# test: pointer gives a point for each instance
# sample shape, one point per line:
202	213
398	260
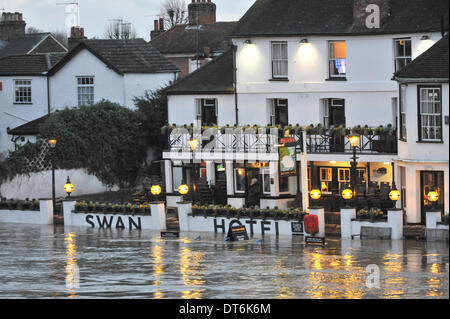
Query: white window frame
329	173
200	103
430	116
85	98
404	56
265	172
283	60
332	59
235	172
339	175
24	88
402	113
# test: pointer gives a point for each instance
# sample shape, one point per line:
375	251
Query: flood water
58	262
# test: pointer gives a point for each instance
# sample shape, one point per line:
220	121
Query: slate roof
28	64
183	38
216	77
23	44
335	17
123	56
432	64
30	128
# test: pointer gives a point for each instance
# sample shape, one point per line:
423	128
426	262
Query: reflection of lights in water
434	283
283	280
190	263
393	266
331	277
72	271
158	269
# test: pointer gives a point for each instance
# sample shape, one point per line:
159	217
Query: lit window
338	62
239	180
402	54
22	90
85	90
279	60
430	114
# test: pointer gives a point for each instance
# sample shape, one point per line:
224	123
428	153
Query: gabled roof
432	64
183	38
30	128
28	64
216	77
27	43
123	56
336	17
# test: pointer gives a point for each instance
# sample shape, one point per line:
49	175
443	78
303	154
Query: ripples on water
58	262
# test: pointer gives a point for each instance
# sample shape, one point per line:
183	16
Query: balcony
264	140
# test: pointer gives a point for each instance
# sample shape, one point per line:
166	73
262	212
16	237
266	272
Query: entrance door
431	181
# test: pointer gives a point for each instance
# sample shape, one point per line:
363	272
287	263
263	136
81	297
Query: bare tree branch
174	12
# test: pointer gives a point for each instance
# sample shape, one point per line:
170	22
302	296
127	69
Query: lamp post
354	142
52	142
394	195
193	144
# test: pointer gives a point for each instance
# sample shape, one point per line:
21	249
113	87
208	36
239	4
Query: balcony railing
267	140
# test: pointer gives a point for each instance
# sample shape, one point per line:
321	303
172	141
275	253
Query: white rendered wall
63	84
182	108
13	115
39	185
411	150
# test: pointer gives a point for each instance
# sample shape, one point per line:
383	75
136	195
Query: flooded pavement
58	262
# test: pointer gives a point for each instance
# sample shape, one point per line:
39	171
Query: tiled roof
124	56
28	64
336	17
432	64
30	128
183	38
216	77
24	43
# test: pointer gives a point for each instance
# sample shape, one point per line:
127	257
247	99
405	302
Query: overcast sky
94	14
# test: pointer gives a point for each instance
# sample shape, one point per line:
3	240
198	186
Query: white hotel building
300	63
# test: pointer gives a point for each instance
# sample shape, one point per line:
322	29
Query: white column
230	178
158	216
169	178
210	172
46	211
304	174
395	221
433	218
320	213
347	214
184	208
274	174
68	208
413	207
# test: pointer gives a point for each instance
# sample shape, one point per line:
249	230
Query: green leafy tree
106	139
153	108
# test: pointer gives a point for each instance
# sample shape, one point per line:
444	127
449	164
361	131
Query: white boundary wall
42	217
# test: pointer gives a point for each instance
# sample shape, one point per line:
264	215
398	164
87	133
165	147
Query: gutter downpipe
236	107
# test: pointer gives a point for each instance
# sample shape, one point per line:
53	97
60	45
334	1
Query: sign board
288	158
170	234
297	228
315	240
220	168
237	231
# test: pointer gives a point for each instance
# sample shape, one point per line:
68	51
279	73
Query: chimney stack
11	26
202	10
76	37
158	28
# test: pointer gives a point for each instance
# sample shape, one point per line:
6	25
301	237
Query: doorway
431	181
334	115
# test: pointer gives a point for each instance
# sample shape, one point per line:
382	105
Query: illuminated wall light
333	162
425	37
304	41
248	41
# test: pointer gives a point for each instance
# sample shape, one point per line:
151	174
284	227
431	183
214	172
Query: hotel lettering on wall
119	222
265	226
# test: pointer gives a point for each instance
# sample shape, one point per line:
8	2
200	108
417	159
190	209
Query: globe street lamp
347	195
68	187
433	197
183	189
155	190
315	195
